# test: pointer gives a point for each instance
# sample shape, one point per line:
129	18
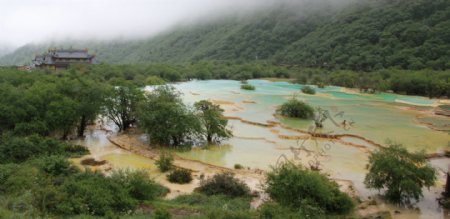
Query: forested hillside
411	34
358	35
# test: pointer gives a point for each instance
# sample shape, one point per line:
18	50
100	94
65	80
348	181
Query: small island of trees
295	108
401	174
168	121
308	90
247	87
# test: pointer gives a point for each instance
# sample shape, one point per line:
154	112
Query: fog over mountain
340	34
26	21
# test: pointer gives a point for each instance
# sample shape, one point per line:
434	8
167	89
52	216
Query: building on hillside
62	58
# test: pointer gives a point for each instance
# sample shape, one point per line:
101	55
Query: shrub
94	194
296	109
308	90
22	204
16	179
247	87
218	213
16	149
400	173
445	202
213	201
47	198
6	170
56	165
154	80
20	149
238	166
224	184
161	214
138	184
180	176
296	187
75	150
272	210
165	161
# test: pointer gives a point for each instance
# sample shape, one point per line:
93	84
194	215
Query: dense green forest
354	35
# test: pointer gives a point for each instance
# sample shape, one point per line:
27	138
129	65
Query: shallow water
376	117
380	118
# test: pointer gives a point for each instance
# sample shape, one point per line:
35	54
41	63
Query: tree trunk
175	141
209	138
82	126
65	134
126	125
447	184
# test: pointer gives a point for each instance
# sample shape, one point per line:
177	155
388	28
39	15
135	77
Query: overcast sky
25	21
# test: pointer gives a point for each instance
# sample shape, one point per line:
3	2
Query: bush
16	179
20	149
180	176
94	194
308	90
296	187
17	149
138	184
6	170
238	166
247	87
47	198
213	201
272	210
85	193
218	213
56	165
161	214
20	204
224	184
154	80
445	202
296	109
75	150
400	173
165	161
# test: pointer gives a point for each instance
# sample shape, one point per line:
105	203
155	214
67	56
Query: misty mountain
4	50
358	35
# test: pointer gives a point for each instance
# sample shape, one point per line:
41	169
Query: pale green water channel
377	117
